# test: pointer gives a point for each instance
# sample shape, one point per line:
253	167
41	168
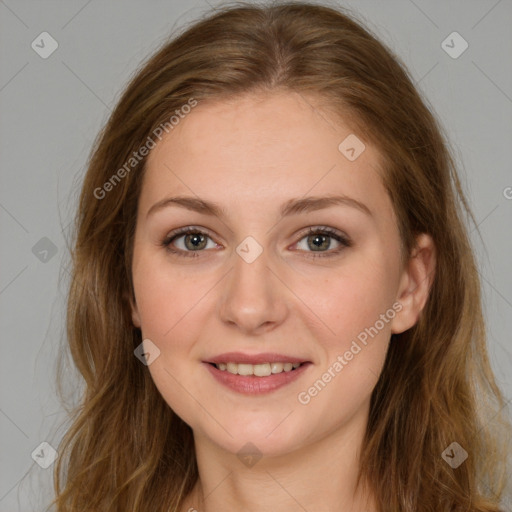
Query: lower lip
252	385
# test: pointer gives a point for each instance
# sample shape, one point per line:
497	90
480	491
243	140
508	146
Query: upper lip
240	357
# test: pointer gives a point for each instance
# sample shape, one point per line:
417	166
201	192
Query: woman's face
272	288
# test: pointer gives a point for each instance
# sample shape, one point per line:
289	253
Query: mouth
256	374
257	370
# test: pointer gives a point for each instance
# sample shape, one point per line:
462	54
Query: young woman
274	303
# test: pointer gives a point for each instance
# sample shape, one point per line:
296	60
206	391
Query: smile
258	370
256	379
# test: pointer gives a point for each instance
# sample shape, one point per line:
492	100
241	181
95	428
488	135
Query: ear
415	282
134	310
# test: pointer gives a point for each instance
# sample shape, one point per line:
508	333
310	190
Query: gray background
51	110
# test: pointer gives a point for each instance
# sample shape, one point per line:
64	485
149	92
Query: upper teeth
260	370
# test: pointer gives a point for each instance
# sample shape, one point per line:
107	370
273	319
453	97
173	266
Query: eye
318	239
195	240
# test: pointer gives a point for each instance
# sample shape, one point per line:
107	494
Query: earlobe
415	284
134	311
135	318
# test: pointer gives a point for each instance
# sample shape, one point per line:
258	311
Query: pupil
196	240
317	240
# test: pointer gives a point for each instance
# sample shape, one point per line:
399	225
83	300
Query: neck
316	476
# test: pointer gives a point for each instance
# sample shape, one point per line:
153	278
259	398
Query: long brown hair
126	449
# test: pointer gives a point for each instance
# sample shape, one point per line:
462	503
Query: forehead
262	147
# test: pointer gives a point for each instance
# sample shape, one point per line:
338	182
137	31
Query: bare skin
251	155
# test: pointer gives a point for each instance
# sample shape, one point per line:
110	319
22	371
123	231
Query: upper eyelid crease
291	207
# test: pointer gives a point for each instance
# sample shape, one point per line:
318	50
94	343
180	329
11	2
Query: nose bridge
251	298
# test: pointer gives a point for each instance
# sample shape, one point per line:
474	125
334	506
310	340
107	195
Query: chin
272	437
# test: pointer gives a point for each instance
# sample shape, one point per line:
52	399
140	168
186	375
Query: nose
253	298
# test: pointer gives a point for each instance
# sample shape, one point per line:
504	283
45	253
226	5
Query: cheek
169	304
166	297
353	300
358	311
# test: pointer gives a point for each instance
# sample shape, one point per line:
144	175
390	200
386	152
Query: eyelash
324	230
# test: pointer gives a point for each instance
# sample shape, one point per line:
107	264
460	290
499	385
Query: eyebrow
291	207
